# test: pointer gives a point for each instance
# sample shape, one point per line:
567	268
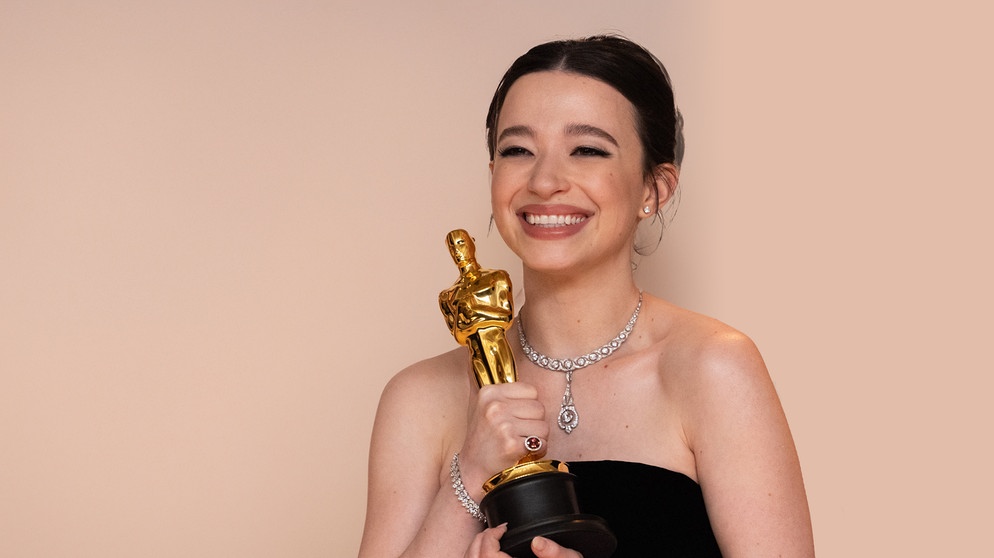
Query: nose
548	176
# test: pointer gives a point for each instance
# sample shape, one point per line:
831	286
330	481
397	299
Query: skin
686	392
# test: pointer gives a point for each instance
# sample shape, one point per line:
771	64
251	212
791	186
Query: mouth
552	221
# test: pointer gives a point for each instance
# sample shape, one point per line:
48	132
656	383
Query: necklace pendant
568	419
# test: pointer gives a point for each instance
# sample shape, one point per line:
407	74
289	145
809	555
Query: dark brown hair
624	65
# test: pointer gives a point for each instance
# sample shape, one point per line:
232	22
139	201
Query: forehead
556	97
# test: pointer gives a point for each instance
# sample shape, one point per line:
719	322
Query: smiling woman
672	426
568	152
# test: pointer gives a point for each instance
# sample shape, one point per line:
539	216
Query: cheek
500	206
500	192
501	197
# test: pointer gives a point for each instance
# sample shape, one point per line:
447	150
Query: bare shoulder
714	373
425	393
440	373
703	349
734	425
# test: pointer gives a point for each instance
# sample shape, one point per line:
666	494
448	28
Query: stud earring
646	210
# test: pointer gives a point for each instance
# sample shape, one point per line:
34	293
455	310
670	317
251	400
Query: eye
513	151
587	151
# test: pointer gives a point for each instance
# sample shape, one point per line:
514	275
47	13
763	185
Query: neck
565	318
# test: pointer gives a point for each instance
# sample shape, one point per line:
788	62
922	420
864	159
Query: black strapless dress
654	512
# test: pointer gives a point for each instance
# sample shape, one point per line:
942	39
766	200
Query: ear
660	187
491	168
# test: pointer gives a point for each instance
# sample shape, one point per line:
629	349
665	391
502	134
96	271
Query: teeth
553	220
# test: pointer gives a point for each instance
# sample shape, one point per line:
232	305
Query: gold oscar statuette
534	497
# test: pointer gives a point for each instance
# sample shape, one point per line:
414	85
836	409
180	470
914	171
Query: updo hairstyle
624	65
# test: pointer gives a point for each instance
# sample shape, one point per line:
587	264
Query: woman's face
567	183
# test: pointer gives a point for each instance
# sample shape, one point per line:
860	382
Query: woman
676	436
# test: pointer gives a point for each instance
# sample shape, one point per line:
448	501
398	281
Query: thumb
545	548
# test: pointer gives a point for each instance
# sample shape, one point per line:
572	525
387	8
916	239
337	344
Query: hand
501	417
544	548
487	543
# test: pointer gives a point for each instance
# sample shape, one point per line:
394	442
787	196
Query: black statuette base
544	504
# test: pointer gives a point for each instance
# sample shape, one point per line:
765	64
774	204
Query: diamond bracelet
463	496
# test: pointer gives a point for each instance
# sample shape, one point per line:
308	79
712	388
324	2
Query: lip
552	221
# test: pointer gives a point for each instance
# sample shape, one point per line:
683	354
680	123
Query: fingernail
539	543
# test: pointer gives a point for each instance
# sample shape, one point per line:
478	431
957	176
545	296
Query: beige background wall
221	233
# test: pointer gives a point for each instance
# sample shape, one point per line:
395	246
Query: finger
504	401
514	430
480	541
489	542
538	428
527	409
501	410
513	390
534	445
545	548
474	547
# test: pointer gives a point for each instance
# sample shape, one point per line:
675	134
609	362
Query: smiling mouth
553	220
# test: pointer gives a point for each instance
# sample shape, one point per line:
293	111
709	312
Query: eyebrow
516	131
573	129
589	130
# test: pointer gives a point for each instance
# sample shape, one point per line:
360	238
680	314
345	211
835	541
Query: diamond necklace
568	418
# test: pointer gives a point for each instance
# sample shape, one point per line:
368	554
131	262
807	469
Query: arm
745	456
410	511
